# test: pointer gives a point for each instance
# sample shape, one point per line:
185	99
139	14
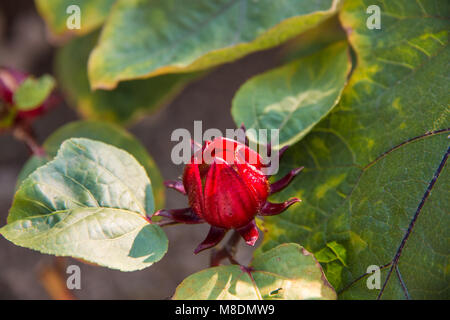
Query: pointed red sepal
284	182
215	235
243	128
280	155
269	149
282	151
250	233
185	215
271	209
176	185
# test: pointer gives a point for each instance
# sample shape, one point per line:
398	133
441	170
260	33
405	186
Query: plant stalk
228	251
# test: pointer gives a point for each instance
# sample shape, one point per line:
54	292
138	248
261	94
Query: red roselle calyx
226	188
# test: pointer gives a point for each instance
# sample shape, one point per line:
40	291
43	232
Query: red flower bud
226	188
230	191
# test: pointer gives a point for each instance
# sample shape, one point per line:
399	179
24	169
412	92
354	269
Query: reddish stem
227	251
23	132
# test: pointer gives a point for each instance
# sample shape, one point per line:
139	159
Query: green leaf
105	132
332	252
32	164
285	272
318	38
33	92
89	202
333	259
294	97
334	270
179	36
128	102
325	255
369	163
339	251
92	14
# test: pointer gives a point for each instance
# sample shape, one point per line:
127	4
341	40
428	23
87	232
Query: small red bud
226	188
226	193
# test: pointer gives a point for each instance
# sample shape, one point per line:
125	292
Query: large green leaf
294	97
32	164
92	14
370	164
148	38
125	104
89	202
321	36
285	272
105	132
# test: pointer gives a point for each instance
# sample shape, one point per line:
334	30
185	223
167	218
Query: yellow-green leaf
147	38
92	14
286	272
375	178
105	132
125	104
295	97
89	202
33	92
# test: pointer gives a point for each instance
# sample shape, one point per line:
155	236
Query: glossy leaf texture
294	97
286	272
125	104
376	178
89	202
105	132
56	14
179	36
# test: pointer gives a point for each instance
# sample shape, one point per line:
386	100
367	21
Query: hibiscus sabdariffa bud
226	188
